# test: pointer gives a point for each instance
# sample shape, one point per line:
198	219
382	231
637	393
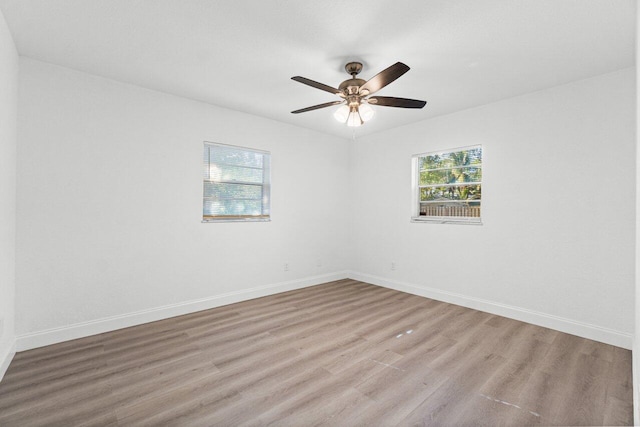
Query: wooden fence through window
451	210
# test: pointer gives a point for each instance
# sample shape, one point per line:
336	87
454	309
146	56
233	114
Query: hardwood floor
342	353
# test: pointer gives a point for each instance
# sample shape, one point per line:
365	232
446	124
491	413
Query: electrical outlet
393	265
286	266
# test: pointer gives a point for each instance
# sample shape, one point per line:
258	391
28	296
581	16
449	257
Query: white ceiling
241	54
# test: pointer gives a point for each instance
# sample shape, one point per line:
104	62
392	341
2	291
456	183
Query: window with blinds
236	184
448	186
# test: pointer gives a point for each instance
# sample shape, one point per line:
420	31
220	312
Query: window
448	186
236	184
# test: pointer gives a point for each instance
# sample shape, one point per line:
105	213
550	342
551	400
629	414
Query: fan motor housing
351	86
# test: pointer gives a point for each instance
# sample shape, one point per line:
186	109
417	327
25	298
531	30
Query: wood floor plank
344	353
138	385
168	408
242	379
444	405
618	412
395	393
586	398
25	380
619	376
261	399
67	403
508	382
493	411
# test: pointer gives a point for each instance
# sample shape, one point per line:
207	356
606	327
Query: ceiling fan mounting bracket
353	68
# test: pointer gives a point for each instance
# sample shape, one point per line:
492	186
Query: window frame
415	191
265	187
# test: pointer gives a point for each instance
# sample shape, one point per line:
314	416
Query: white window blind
448	186
236	183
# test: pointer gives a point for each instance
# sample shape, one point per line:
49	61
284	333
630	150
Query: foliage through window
448	186
236	183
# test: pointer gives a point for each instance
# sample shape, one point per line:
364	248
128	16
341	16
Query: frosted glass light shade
354	119
342	113
366	112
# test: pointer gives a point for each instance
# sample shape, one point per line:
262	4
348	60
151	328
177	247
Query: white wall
110	204
8	114
557	244
636	335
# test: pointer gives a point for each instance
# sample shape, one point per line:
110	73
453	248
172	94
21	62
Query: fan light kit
356	102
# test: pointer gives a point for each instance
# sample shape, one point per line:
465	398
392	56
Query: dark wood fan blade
389	101
315	107
384	77
315	84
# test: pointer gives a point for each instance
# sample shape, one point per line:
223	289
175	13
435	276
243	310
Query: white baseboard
6	359
573	327
98	326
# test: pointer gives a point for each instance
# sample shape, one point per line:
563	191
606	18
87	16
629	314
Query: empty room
296	213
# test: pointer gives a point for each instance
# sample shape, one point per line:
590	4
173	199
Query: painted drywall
8	116
557	242
109	199
636	332
110	205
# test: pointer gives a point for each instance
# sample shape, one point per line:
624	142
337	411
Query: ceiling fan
355	94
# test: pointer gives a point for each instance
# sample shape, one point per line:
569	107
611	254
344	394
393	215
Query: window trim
266	189
415	191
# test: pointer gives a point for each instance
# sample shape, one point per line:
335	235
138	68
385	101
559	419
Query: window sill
211	220
447	220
